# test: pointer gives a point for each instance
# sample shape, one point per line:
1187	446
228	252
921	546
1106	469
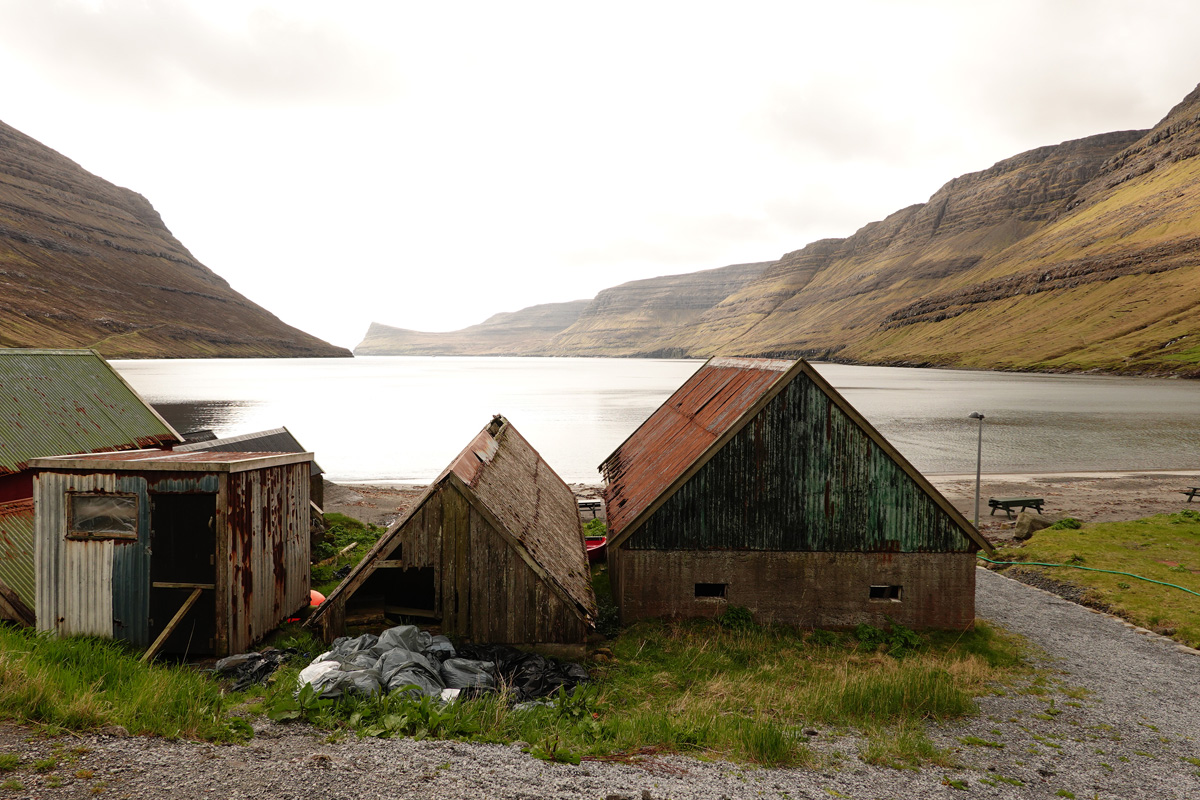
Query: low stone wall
812	589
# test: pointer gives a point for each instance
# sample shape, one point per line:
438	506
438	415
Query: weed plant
341	531
731	689
80	684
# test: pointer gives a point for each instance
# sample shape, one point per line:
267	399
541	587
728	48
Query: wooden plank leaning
167	631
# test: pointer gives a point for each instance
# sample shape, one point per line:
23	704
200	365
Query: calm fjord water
375	419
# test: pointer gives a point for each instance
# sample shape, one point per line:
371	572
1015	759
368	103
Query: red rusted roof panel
671	440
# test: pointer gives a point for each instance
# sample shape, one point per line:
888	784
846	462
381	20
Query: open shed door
183	559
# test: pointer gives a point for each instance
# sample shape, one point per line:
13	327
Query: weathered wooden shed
54	402
492	552
211	548
756	484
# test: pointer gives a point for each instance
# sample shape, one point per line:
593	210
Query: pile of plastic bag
410	659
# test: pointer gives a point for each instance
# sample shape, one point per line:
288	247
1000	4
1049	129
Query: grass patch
85	684
733	691
1161	548
341	532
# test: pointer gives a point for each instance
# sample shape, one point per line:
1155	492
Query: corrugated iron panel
87	589
268	530
69	401
276	440
145	460
16	550
95	587
680	431
802	476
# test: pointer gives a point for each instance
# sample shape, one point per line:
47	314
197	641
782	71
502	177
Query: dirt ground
1087	496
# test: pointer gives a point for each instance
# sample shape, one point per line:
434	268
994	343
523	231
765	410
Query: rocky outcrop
84	263
510	333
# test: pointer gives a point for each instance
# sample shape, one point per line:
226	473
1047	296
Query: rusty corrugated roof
674	437
138	460
69	401
276	440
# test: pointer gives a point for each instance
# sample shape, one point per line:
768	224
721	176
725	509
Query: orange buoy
315	598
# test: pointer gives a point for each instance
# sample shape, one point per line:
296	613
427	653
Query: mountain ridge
1079	256
86	263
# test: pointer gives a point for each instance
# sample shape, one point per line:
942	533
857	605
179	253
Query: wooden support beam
172	585
167	631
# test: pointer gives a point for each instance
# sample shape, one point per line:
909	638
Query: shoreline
1089	496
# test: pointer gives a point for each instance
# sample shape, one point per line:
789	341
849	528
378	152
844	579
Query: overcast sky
428	164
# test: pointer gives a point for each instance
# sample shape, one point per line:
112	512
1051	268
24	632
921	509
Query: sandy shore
1087	496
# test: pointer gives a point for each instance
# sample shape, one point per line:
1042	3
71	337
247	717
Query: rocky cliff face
84	263
510	333
639	315
643	317
1078	256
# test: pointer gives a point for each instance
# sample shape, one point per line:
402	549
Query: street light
978	462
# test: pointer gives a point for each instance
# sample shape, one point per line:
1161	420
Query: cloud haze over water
426	165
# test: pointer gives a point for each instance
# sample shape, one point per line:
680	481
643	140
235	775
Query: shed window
885	593
710	589
103	516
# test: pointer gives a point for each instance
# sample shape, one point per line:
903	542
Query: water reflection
403	419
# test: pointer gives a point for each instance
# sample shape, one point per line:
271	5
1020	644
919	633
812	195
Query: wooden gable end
804	474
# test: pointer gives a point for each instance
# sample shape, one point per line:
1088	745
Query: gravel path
1117	716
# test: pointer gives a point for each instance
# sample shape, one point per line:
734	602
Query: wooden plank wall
484	590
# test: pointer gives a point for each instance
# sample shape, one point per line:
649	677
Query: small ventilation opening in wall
885	593
710	589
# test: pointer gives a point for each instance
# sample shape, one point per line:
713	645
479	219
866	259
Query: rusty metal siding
16	550
70	401
268	553
94	587
801	476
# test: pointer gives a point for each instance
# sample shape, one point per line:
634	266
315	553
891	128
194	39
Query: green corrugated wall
802	476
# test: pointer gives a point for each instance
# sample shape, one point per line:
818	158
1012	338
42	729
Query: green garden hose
1089	569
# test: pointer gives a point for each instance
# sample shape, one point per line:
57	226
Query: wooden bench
1009	503
590	505
1191	492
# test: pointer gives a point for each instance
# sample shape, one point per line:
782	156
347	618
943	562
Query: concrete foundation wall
811	589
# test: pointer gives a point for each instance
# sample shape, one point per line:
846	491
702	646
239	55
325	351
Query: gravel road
1119	717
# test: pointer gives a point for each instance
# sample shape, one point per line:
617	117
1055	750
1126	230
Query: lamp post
978	462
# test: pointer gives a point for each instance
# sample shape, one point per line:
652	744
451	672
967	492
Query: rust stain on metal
681	430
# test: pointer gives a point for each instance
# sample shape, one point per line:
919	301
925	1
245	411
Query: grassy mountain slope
84	263
1111	283
1078	256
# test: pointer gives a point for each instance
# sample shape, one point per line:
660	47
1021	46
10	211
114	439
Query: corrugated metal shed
232	529
276	440
805	473
499	534
69	401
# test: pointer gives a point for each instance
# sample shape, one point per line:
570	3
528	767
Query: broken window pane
104	516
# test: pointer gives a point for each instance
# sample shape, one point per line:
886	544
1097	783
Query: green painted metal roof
58	402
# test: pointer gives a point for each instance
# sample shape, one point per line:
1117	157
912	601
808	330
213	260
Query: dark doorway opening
183	552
